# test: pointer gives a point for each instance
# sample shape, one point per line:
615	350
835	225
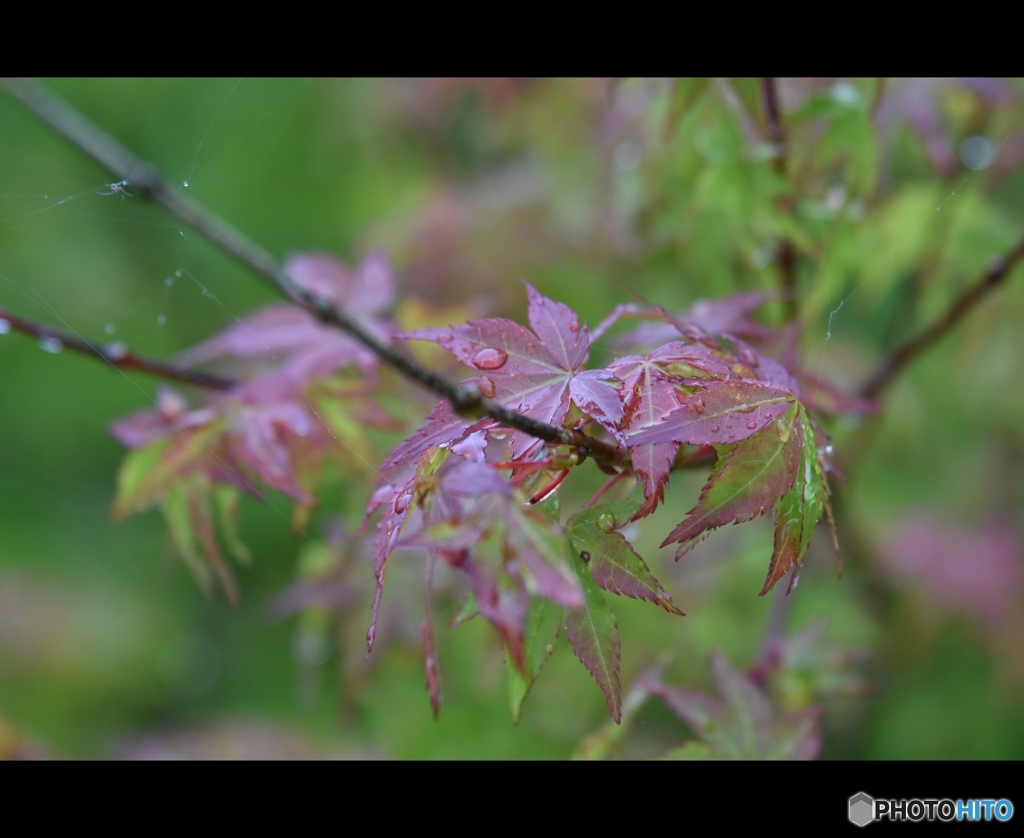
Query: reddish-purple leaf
746	482
536	372
726	411
431	670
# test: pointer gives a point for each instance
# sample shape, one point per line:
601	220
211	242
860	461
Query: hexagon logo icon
862	809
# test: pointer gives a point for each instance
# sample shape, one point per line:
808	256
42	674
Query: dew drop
185	184
161	319
177	274
401	504
715	429
699	405
169	281
767	416
606	522
110	328
530	347
762	510
51	345
5	326
828	450
490	359
444	338
574	326
751	425
487	388
302	428
550	649
117	351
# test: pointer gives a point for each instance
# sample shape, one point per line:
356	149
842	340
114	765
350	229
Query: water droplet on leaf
574	326
51	345
490	359
699	405
487	388
606	522
751	425
117	351
401	504
714	429
444	338
185	183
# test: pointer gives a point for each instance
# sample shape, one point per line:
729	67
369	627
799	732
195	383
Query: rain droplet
530	347
606	522
110	328
751	425
490	359
185	183
169	281
550	649
161	319
117	351
5	326
767	416
762	510
828	450
574	326
401	504
699	405
51	345
302	428
715	429
487	388
177	273
444	338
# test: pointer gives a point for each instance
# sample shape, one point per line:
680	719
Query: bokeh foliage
591	190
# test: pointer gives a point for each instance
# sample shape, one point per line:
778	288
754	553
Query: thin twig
116	354
994	276
785	252
147	181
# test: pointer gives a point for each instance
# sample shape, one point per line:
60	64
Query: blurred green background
895	196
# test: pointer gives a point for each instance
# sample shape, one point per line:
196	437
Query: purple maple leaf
536	373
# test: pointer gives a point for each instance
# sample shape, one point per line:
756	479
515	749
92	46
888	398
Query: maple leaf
650	392
613	563
800	508
741	723
593	634
747	480
291	343
537	373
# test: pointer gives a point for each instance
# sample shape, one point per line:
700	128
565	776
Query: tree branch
116	354
146	180
994	276
785	253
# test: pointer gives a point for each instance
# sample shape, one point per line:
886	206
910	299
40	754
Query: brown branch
785	252
993	277
116	354
146	181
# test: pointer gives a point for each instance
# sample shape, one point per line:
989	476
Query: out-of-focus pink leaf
977	569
